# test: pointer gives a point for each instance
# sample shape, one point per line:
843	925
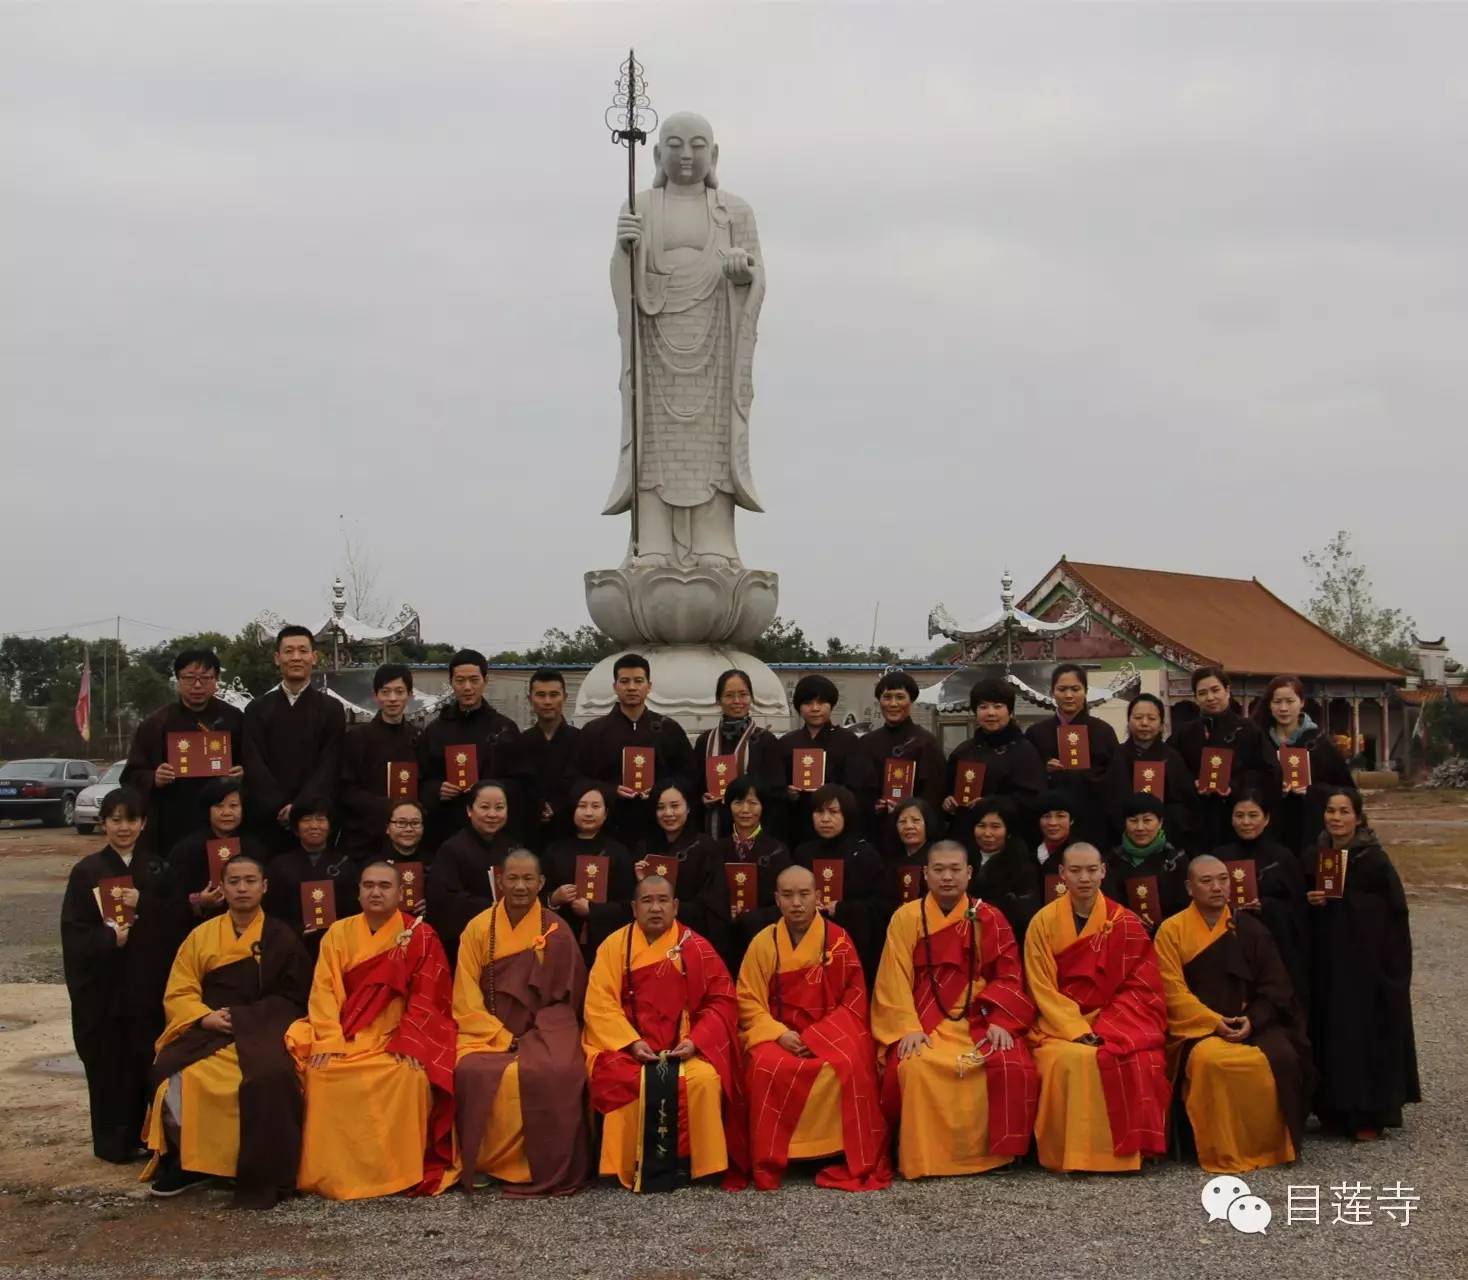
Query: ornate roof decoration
1008	624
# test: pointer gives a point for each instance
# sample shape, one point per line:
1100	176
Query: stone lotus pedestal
690	624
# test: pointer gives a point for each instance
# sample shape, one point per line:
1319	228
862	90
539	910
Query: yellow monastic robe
818	1132
210	1103
366	1112
1072	1129
502	1153
944	1125
1228	1089
607	1030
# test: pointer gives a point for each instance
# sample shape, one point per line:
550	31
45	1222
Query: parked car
90	800
45	789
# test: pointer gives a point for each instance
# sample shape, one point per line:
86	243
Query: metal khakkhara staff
631	118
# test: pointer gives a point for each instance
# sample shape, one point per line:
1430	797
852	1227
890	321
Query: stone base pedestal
683	678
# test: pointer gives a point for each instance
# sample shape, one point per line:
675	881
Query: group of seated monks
965	994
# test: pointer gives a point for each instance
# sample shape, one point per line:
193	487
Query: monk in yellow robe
812	1064
376	1052
1235	1046
520	1082
1098	1040
950	1013
226	1101
662	1052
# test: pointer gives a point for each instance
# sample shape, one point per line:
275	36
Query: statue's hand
629	230
739	266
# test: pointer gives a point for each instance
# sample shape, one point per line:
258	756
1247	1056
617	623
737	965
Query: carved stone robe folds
696	336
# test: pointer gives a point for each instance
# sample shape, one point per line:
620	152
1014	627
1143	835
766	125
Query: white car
90	800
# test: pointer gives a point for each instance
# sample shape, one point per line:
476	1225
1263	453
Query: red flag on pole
83	713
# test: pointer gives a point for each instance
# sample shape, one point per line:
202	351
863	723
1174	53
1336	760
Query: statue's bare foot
649	561
725	563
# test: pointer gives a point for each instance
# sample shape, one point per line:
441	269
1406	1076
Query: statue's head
686	153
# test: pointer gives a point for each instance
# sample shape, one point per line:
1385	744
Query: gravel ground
63	1214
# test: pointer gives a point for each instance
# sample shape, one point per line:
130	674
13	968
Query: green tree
784	642
1343	601
1447	729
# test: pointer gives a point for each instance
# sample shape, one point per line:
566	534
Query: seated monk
226	1101
518	991
376	1050
1234	1041
662	1052
950	1012
812	1066
1102	1023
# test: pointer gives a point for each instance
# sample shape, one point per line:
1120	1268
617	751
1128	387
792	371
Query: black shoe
172	1179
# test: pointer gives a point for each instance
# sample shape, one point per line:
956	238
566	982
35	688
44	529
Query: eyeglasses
405	822
209	677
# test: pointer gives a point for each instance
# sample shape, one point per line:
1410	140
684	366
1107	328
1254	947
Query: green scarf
1138	854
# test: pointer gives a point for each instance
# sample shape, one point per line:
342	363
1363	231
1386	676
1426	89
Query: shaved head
1204	863
648	883
795	878
381	862
523	855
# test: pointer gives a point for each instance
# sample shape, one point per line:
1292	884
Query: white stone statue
700	283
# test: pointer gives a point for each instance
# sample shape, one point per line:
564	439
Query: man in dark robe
847	764
1219	726
173	804
293	741
598	751
1083	789
367	793
898	738
468	720
548	746
226	1101
1237	1051
520	1082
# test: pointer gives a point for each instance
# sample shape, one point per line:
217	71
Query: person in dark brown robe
468	720
312	858
1144	746
112	1031
1013	769
227	1100
847	764
679	850
747	843
897	737
1361	979
1219	726
1299	814
518	992
598	751
547	747
756	753
461	880
1146	854
363	799
1005	873
916	825
1084	789
173	802
863	909
293	741
588	921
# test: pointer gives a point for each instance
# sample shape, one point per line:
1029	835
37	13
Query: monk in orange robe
1098	1042
812	1073
950	1013
226	1100
376	1053
1235	1043
662	1037
520	1082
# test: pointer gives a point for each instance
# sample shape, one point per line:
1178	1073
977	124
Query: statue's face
686	150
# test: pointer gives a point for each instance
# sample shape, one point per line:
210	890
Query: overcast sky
1174	287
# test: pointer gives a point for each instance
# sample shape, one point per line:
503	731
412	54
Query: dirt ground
64	1213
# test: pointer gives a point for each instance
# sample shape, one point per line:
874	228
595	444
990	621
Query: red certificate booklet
968	782
109	899
907	881
1149	778
402	780
200	753
830	876
1141	897
1053	888
1214	770
461	765
318	904
592	874
1243	882
1330	873
899	777
741	880
1294	765
411	874
719	772
220	852
1074	744
664	866
808	768
639	769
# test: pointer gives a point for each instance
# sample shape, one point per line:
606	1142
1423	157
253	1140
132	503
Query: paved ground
65	1214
